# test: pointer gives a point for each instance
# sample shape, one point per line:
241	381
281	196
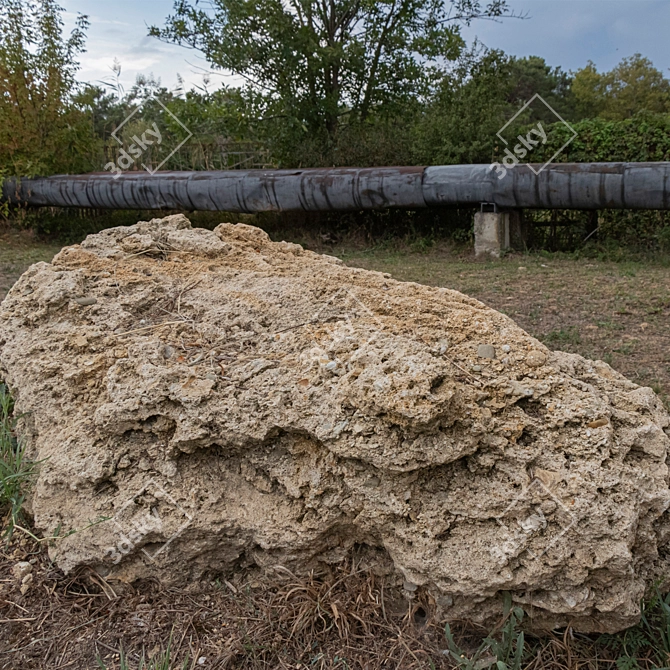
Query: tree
532	75
316	61
42	128
634	85
460	122
587	92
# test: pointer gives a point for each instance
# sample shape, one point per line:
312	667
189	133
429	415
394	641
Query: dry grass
347	618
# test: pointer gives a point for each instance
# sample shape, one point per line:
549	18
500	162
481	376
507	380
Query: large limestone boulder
205	402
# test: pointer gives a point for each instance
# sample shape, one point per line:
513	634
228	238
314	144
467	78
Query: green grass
504	648
16	471
162	660
569	335
648	643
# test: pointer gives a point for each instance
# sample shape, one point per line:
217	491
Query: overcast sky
564	32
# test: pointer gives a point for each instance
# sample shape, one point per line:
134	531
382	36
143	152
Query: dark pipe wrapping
561	185
229	191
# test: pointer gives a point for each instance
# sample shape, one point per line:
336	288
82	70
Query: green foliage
316	63
663	237
477	97
486	89
650	639
506	653
532	75
221	125
43	128
16	471
461	120
633	85
643	137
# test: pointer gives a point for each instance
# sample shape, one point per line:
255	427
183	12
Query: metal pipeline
560	185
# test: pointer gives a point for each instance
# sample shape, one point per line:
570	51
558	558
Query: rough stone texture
290	410
492	233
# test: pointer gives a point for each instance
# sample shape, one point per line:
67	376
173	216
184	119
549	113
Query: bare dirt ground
348	618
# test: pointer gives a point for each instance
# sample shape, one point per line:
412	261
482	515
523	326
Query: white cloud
565	32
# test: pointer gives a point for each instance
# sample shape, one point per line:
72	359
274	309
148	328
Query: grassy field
18	251
617	312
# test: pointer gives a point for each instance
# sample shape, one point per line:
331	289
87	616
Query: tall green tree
317	61
634	85
531	75
460	122
43	129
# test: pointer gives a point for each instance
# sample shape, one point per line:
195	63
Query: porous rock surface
205	402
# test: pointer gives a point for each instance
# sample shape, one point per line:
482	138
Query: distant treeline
328	84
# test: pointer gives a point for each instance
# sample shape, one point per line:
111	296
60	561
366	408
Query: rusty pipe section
561	185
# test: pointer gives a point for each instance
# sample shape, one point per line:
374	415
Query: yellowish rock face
202	402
